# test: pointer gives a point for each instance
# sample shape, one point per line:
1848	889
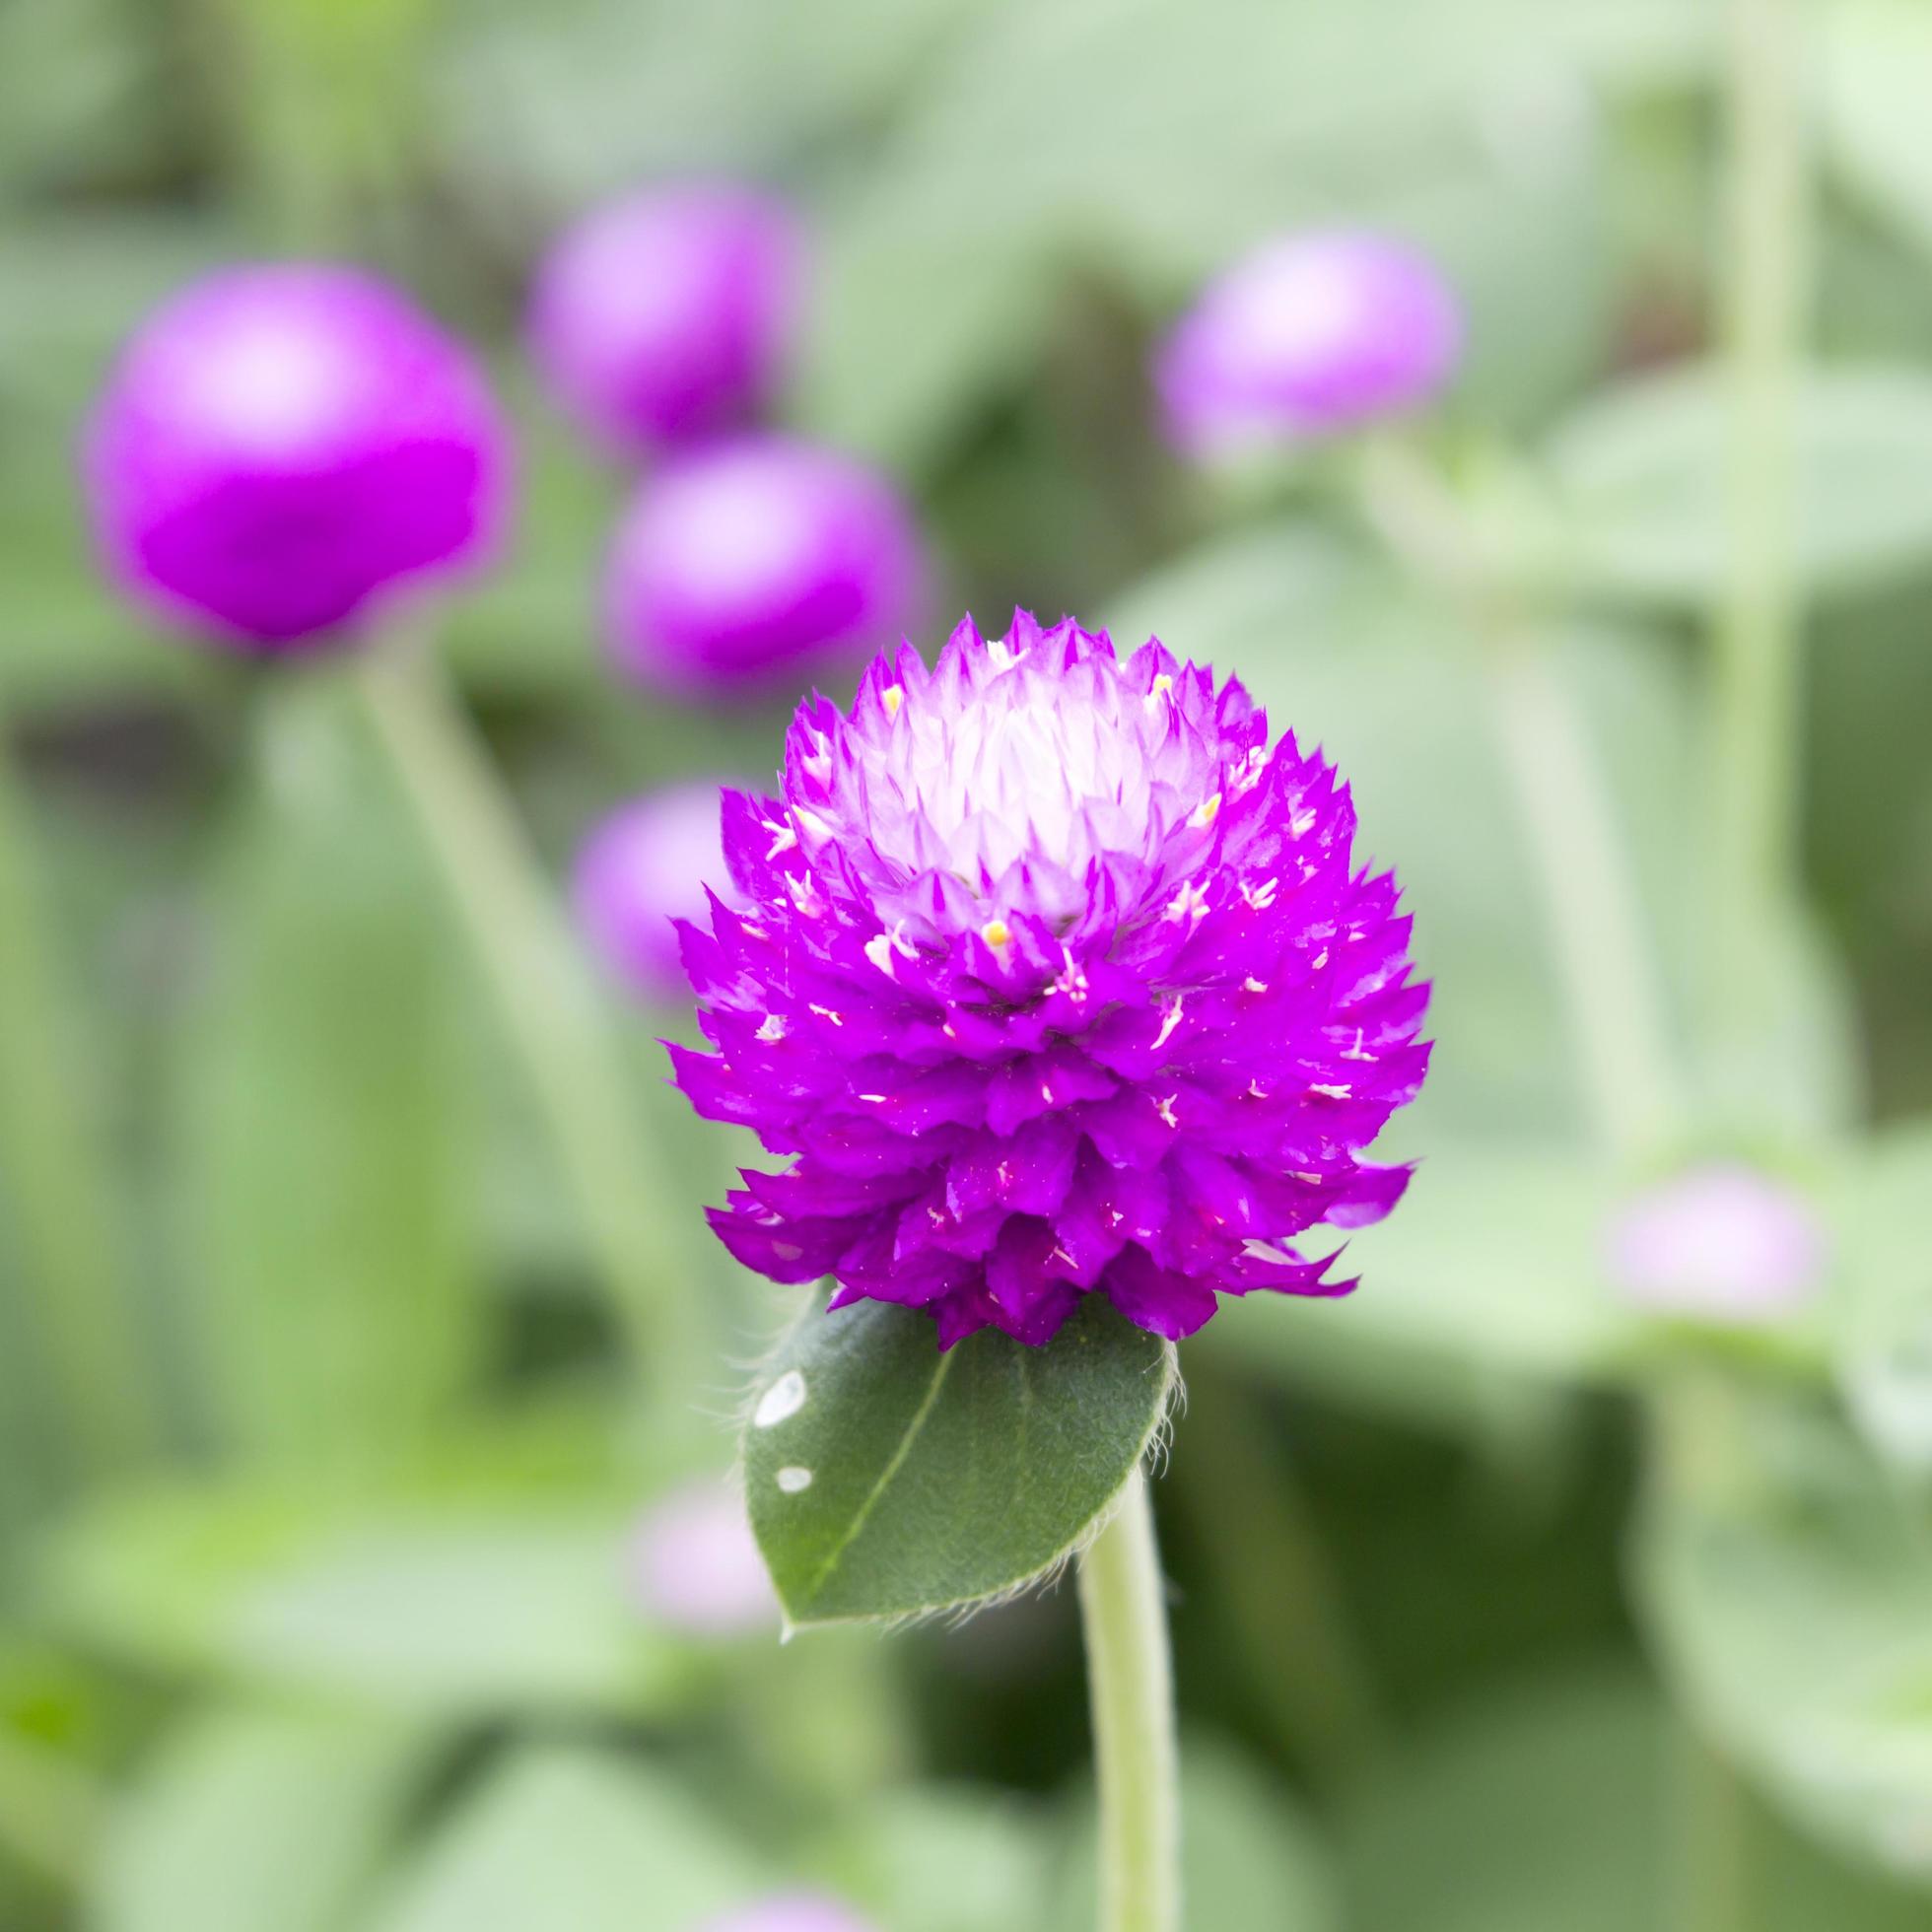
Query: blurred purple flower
667	314
643	866
279	444
750	565
1056	978
789	1911
694	1564
1311	334
1720	1243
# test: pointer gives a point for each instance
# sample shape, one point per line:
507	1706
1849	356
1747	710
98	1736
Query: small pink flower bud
1309	335
279	445
667	315
753	565
1718	1243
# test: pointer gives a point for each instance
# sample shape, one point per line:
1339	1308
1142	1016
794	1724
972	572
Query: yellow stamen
995	933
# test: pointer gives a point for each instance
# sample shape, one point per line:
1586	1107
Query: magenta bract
1309	335
646	865
667	314
1054	979
748	566
279	444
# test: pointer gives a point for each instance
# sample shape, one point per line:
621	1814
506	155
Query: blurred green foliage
354	1652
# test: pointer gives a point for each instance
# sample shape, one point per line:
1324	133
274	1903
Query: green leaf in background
577	1839
889	1480
247	1817
1490	1274
943	1859
1885	1342
1788	1589
1250	1861
324	1123
1878	70
1639	473
1559	1802
477	1586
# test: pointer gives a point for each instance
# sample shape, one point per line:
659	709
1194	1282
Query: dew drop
791	1479
786	1397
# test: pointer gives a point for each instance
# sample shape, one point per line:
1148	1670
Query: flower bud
752	565
278	445
1718	1243
694	1564
1309	335
645	866
667	316
789	1911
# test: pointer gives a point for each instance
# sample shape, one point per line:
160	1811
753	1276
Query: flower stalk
59	1195
1758	639
1130	1675
1605	954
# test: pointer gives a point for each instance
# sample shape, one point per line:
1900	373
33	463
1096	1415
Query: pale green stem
1757	662
1608	968
1605	953
54	1183
1130	1684
551	1009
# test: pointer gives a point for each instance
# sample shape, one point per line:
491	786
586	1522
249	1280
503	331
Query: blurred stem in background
1131	1679
1757	689
54	1183
1757	642
553	1012
1605	953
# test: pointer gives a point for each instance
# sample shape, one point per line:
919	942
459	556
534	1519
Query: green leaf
1559	1801
1884	1340
576	1838
1640	473
323	1109
1878	70
1789	1588
942	1859
482	1584
247	1817
889	1480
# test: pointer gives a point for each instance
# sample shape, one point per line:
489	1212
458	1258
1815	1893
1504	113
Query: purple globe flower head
279	445
667	314
1056	980
789	1911
694	1564
747	565
645	866
1311	334
1719	1243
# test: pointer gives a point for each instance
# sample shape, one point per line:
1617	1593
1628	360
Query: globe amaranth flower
1057	979
747	565
1719	1242
649	863
694	1564
667	314
279	444
1311	334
